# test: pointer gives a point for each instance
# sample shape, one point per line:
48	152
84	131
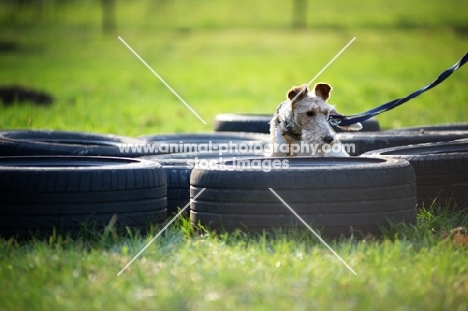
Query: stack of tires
441	171
67	181
439	165
197	150
439	157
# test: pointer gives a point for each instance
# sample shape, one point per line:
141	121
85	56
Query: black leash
336	120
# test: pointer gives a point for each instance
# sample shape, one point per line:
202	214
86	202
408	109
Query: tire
178	167
365	142
260	123
231	122
175	163
205	137
200	142
434	127
342	196
441	171
43	142
45	192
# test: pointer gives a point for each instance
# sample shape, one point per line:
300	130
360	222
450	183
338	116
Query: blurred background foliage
188	14
226	56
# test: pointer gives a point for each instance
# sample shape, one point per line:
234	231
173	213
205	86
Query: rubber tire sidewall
343	200
42	192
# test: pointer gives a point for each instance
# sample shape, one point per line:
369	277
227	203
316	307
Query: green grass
227	56
101	86
409	268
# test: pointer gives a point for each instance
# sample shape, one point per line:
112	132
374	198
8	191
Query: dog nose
328	139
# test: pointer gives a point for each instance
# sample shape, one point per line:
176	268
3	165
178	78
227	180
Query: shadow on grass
433	225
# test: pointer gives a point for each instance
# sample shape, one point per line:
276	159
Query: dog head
310	113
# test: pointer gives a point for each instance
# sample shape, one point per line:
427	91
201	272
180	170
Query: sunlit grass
413	267
101	86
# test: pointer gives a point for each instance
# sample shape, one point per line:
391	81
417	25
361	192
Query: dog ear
302	90
323	90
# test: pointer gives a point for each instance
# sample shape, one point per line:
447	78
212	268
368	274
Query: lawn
232	56
220	64
406	269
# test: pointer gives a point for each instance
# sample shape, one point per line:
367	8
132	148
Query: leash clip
334	122
335	119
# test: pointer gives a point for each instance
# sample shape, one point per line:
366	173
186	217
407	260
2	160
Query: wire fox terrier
300	125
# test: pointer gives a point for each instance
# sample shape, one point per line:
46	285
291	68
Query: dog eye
310	113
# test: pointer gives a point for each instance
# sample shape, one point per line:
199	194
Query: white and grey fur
303	118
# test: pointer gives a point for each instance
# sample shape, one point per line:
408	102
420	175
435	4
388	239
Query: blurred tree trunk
108	15
299	16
